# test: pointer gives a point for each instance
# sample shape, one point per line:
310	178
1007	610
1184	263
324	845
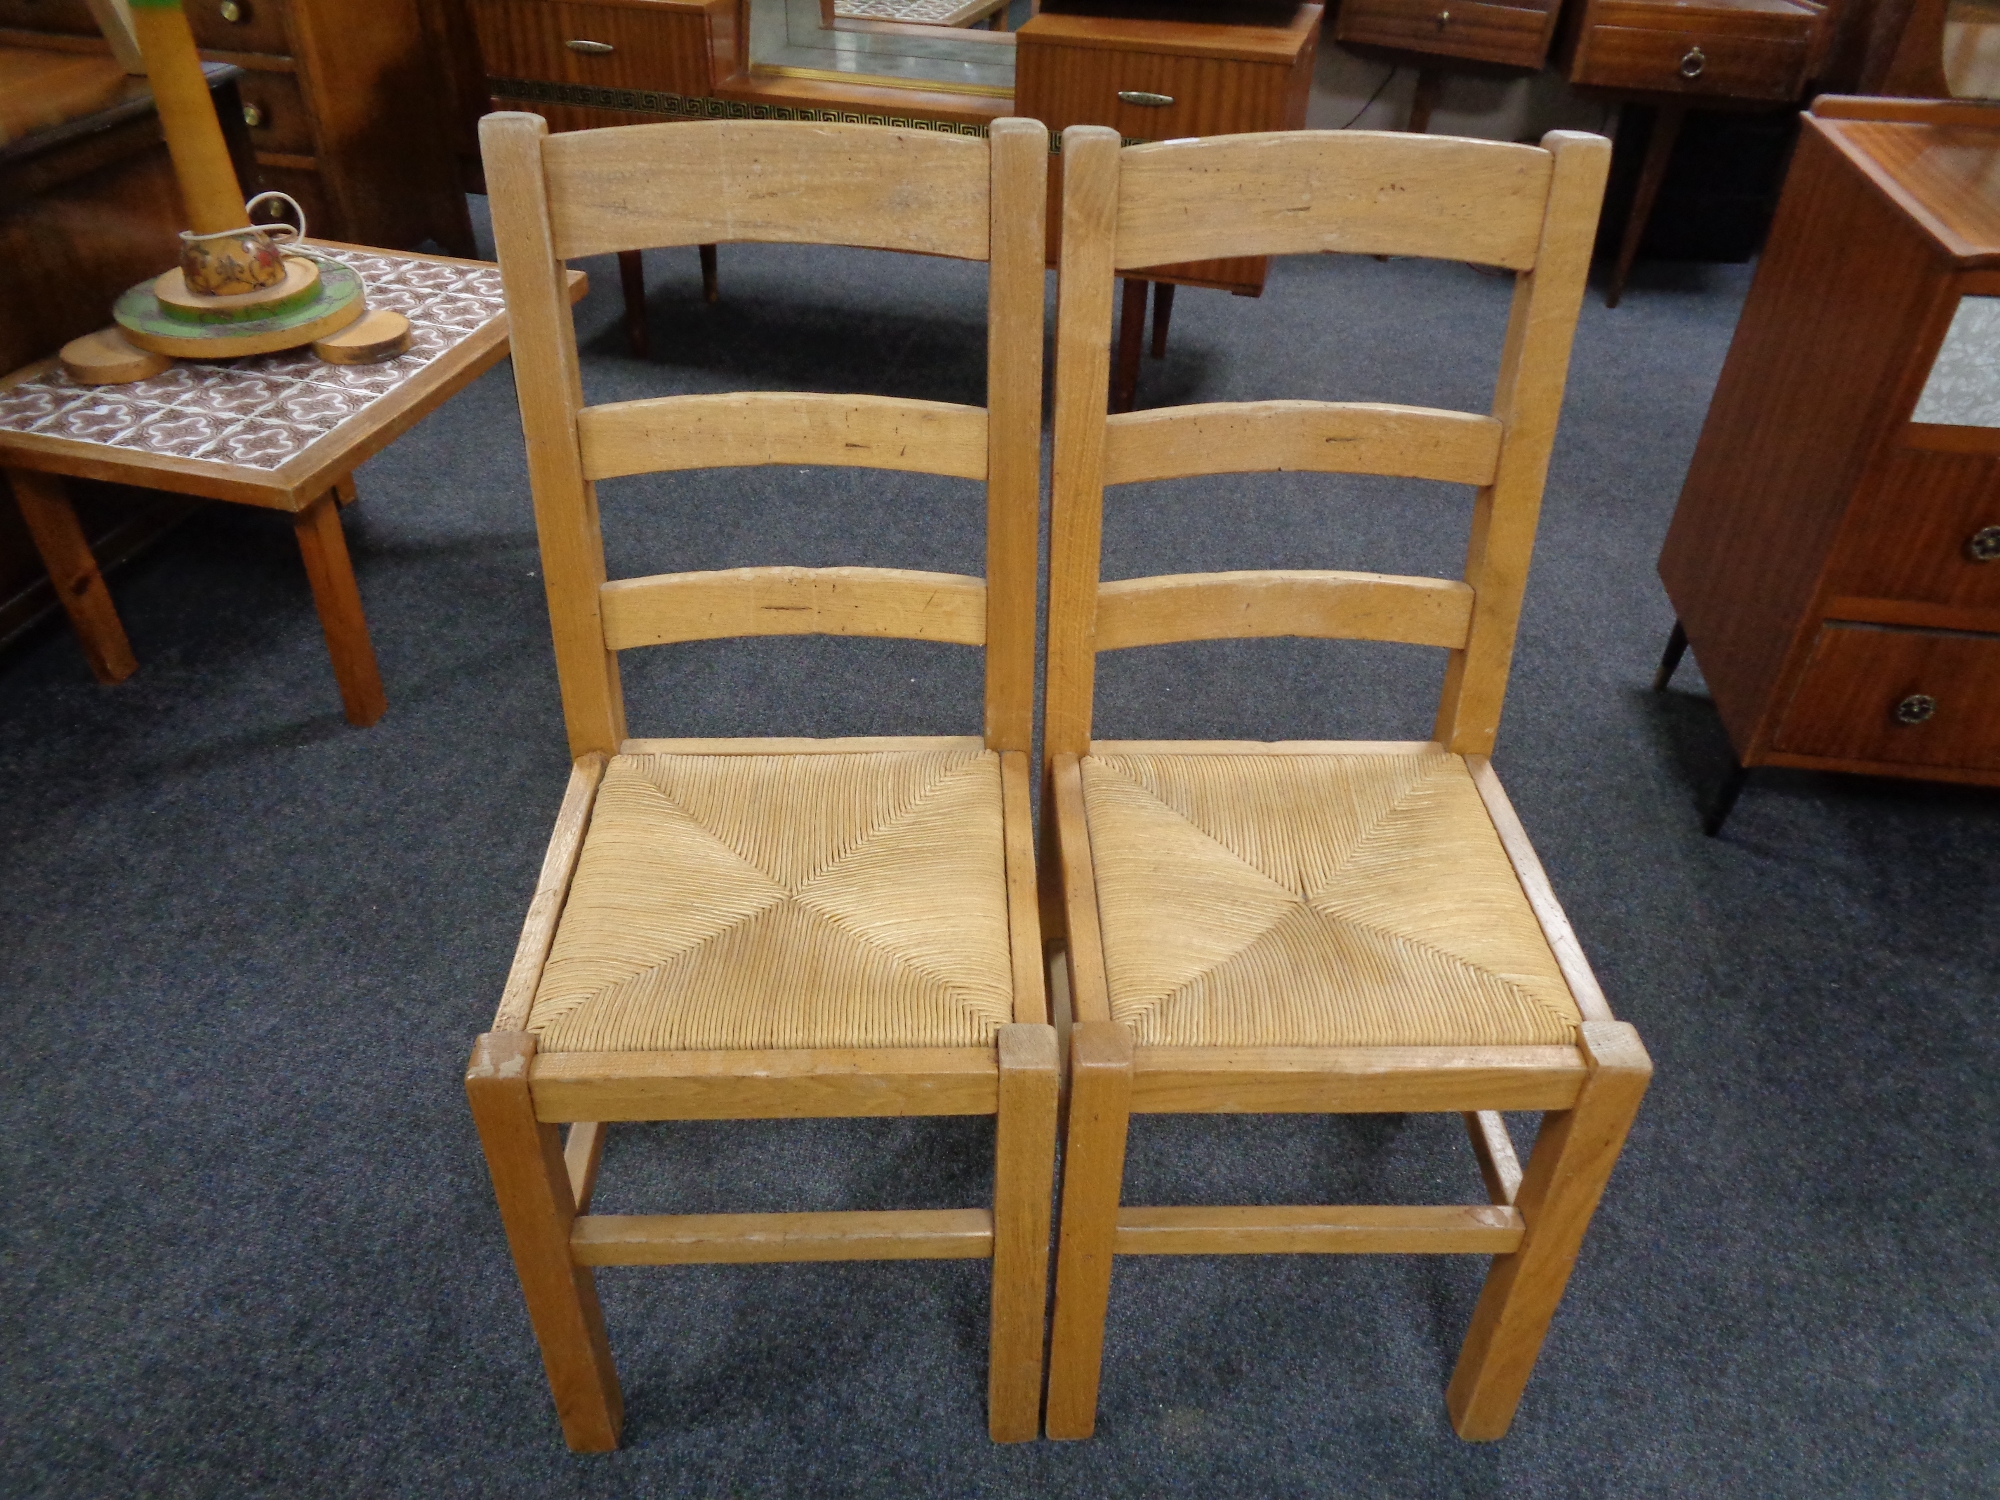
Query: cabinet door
1926	529
1915	697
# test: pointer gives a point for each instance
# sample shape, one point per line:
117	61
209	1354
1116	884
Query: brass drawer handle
1144	99
595	49
1693	63
253	116
1915	709
1983	545
233	13
1444	19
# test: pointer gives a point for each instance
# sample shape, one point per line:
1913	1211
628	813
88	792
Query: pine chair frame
1533	211
558	197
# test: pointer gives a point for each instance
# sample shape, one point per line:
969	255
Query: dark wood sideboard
1835	558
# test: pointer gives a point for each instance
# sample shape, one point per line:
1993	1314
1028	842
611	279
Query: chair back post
1015	283
1083	360
1534	368
549	386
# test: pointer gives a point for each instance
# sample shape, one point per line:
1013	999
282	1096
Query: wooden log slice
382	334
107	357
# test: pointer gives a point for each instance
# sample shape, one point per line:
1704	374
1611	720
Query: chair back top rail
710	181
556	197
1531	209
764	427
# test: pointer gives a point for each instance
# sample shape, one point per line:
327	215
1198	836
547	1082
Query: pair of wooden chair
792	928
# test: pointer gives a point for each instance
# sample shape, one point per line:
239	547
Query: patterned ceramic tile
261	411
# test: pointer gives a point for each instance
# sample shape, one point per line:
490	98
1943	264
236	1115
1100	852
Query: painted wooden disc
339	302
301	283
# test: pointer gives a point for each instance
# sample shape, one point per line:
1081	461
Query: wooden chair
1321	927
756	929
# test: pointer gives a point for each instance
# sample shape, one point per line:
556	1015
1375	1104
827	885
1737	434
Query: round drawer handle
1983	545
1693	63
595	49
233	13
253	116
1144	99
1444	19
1915	709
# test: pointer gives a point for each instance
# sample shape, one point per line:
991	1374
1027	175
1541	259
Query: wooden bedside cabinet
343	109
1159	73
1835	557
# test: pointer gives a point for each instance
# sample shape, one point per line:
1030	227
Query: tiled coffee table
283	431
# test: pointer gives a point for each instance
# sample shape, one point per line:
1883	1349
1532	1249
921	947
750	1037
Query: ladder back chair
1320	927
759	929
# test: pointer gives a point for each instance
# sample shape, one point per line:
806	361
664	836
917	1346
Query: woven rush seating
767	901
1314	901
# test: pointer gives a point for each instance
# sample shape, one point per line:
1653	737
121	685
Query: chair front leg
1100	1109
1024	1170
1565	1176
532	1183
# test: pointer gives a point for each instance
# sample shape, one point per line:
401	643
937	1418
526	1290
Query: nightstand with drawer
1835	557
343	106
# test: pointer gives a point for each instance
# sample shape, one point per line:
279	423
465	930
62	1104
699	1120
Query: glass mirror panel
1972	48
935	44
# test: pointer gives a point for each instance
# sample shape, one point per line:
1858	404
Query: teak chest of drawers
1835	557
341	101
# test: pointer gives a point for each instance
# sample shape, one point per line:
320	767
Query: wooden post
1024	1170
536	1205
207	177
1565	1176
79	587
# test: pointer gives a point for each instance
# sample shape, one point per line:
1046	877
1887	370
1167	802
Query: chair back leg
1024	1170
537	1206
1565	1176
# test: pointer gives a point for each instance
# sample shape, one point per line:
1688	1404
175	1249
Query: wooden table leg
632	280
73	571
1667	120
344	492
1163	310
1430	83
1131	335
710	292
324	548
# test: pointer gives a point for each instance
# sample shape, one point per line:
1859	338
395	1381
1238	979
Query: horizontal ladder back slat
1353	1080
1357	191
768	427
707	1239
780	1085
1303	602
1327	437
718	181
893	602
1338	1230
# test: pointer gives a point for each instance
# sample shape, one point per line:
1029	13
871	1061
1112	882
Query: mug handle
290	232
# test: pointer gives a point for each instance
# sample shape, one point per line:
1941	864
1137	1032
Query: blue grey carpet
249	1247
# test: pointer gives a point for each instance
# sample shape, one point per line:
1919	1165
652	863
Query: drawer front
239	25
663	51
1916	697
1517	35
1064	86
68	16
275	111
1928	530
1690	62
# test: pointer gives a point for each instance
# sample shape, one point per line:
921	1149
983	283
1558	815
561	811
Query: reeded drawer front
276	113
1517	35
1927	530
1918	697
69	16
1690	62
240	25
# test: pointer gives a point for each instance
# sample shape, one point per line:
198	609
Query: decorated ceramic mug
229	262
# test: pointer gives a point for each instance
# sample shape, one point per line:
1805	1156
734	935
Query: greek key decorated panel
685	107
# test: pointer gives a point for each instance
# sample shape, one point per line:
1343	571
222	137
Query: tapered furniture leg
324	548
1670	659
1725	799
1430	83
532	1185
1024	1171
66	555
1131	335
344	492
632	281
1667	120
1564	1178
1163	311
1100	1108
710	291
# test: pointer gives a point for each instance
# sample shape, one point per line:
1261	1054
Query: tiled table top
264	411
